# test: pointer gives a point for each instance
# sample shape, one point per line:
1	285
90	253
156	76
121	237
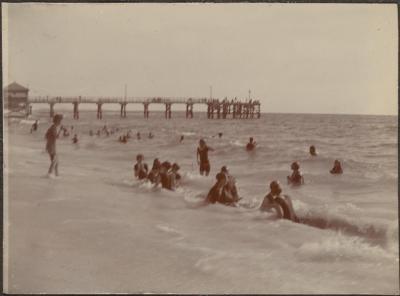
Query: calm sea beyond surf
96	229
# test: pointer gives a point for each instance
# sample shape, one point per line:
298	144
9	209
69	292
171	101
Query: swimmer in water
75	139
202	157
251	144
138	135
51	136
337	168
281	204
151	136
220	135
296	178
220	192
313	151
181	139
140	168
154	175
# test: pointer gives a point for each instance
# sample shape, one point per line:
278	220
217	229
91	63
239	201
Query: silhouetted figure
337	168
140	168
296	178
34	126
281	204
51	136
251	144
313	151
202	157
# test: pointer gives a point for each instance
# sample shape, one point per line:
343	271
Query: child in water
337	168
281	204
140	168
51	136
296	178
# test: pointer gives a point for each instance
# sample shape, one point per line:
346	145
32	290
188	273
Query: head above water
275	187
175	167
57	118
166	165
251	139
295	166
220	177
139	157
312	149
337	162
224	169
202	142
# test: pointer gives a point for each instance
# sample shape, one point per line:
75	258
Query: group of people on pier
248	109
224	190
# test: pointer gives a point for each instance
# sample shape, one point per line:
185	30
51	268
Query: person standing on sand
51	137
202	157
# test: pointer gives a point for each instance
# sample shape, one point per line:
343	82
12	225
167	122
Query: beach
96	229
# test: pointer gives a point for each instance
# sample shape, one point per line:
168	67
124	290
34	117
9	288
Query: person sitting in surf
337	168
154	175
313	151
202	157
230	184
219	192
281	204
251	144
296	178
165	175
140	168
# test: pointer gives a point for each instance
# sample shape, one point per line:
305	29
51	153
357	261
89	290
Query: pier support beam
76	110
123	109
146	110
52	109
99	110
189	110
168	110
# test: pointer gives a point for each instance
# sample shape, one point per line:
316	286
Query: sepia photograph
202	148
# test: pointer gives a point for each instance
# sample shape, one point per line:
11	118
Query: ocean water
96	229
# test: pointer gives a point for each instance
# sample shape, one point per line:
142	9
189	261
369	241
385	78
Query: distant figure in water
140	168
91	133
138	135
251	144
154	175
128	134
296	178
51	136
123	139
220	193
202	157
337	168
181	139
98	133
313	151
230	184
75	139
151	136
281	204
220	135
34	126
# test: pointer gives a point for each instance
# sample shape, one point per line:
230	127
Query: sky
294	58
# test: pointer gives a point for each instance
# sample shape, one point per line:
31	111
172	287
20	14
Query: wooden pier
216	108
